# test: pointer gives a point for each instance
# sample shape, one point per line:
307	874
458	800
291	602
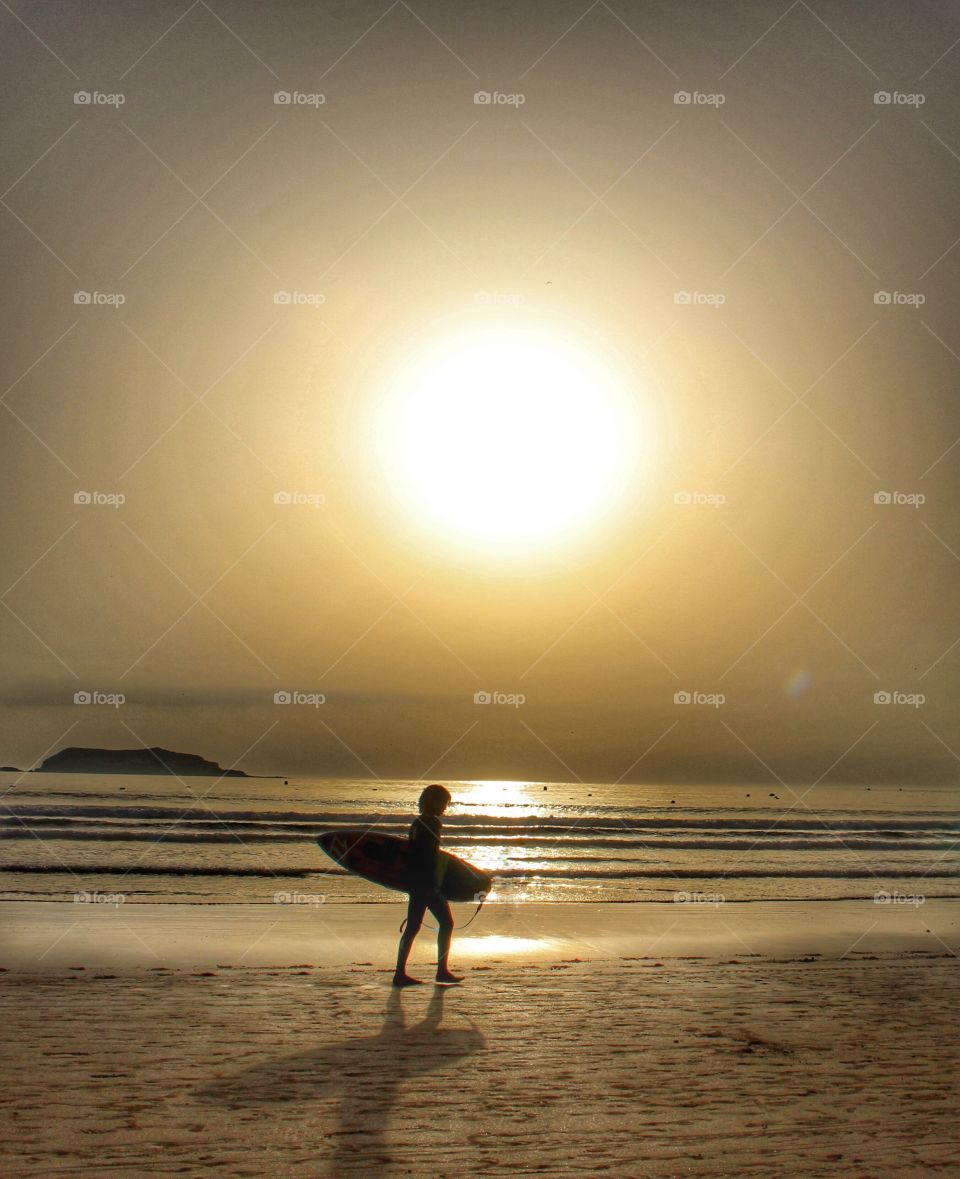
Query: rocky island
75	760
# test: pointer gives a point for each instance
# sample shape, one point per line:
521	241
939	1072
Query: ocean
129	839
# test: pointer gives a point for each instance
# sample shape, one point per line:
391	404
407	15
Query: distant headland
75	760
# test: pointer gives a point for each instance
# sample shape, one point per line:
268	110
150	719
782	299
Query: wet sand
48	935
827	1062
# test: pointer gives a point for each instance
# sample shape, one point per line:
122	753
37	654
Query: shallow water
251	840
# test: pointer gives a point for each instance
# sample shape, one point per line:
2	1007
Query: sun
507	436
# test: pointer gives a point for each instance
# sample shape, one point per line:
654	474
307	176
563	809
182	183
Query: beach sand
814	1058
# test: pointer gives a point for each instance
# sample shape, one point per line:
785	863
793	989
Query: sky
746	211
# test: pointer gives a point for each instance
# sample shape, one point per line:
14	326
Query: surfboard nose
334	844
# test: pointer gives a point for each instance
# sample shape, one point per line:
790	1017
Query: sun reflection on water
500	797
497	798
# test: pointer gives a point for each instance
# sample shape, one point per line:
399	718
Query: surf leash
483	897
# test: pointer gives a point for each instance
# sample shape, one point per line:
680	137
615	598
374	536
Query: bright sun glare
505	436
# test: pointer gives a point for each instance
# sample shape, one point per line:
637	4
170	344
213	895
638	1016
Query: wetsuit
424	840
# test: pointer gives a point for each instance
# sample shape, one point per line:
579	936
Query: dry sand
625	1065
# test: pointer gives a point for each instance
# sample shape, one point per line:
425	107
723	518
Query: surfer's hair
433	798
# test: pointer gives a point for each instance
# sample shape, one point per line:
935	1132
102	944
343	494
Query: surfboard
385	860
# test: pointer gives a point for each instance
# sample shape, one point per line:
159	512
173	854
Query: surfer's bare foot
444	976
404	980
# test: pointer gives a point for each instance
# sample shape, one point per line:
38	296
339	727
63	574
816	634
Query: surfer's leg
415	909
440	908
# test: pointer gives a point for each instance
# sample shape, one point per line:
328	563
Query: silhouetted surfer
424	887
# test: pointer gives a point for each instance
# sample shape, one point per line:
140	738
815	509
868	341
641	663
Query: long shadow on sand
365	1073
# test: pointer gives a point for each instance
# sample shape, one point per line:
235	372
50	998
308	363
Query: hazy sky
773	264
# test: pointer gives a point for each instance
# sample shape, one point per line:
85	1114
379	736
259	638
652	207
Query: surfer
424	839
